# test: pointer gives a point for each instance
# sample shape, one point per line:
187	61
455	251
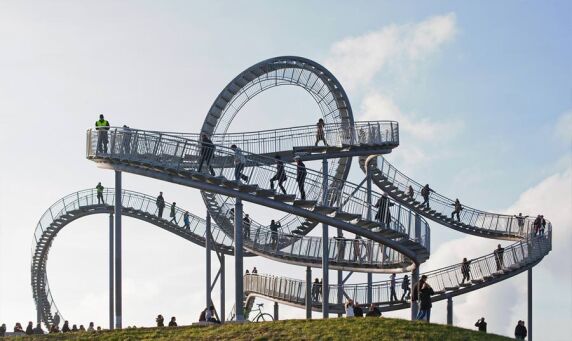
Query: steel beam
118	261
238	265
530	304
222	288
325	248
111	277
308	293
208	261
450	310
369	288
340	281
275	311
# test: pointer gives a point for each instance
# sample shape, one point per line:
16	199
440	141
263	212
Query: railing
501	223
518	255
179	154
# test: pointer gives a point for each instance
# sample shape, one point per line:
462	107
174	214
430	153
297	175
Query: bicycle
260	317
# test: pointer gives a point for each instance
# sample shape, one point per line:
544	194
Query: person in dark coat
3	330
30	328
425	298
405	287
383	214
300	176
160	205
206	153
520	331
160	321
280	175
173	322
499	259
66	327
457	208
481	324
358	311
373	311
466	270
246	226
274	225
425	191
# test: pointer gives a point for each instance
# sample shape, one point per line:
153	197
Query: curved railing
446	282
473	221
177	155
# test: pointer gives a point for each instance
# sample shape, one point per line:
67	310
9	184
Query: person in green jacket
99	189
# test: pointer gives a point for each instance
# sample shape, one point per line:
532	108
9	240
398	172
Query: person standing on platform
102	126
320	135
239	163
160	205
99	189
173	213
206	153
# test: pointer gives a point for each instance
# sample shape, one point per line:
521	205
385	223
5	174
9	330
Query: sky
482	92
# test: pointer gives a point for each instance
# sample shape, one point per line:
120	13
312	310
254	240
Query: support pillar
414	305
118	261
222	288
529	304
450	310
369	288
275	311
208	261
111	277
308	293
238	265
340	298
325	248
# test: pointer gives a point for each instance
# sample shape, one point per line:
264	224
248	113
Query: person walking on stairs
99	189
410	192
457	209
102	126
425	191
274	225
239	162
246	225
173	213
300	176
405	286
320	135
466	270
426	305
383	214
499	257
206	153
160	205
393	295
280	174
186	220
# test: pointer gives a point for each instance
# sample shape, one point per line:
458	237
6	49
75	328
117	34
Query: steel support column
450	310
340	298
275	311
118	261
530	304
111	277
208	261
369	288
325	248
369	215
308	292
222	290
415	273
238	265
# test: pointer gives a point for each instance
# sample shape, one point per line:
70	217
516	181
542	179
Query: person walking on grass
160	202
239	163
300	176
173	213
280	175
99	188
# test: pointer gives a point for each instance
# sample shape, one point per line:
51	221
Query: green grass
331	329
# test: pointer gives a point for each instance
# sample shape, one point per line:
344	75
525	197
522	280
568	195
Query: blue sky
482	91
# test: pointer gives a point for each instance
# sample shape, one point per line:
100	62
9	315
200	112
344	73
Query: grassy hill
331	329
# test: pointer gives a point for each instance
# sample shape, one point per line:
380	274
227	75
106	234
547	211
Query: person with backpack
405	287
173	213
160	202
280	175
457	209
99	189
425	191
300	176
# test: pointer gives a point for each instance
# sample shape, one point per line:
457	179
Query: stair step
216	180
305	203
285	197
325	209
464	285
247	188
347	216
265	192
452	288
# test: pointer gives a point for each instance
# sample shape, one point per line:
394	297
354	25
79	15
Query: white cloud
563	127
376	106
357	60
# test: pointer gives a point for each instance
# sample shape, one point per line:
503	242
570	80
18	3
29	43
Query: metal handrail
181	154
498	223
518	255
